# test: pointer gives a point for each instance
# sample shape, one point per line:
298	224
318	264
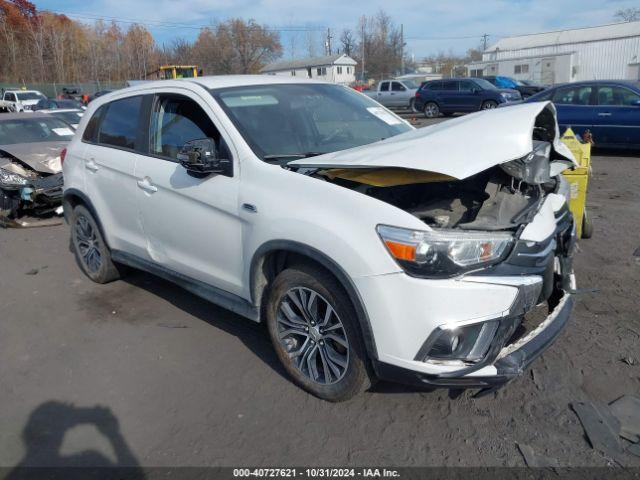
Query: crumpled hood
33	154
459	148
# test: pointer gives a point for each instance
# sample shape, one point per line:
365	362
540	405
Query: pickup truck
394	93
20	100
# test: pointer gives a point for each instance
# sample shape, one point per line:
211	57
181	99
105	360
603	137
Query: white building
606	52
334	68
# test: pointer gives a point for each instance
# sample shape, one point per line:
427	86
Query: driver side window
176	120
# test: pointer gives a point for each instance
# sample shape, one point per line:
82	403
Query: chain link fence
54	89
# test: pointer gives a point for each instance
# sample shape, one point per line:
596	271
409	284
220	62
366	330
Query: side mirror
200	158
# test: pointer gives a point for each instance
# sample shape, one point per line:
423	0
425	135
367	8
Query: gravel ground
142	372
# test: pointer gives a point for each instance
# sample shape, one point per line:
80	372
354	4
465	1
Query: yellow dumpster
578	180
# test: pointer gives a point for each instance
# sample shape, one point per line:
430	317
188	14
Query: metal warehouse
593	53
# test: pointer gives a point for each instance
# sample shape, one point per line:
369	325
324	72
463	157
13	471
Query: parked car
57	103
456	95
20	100
610	109
30	165
525	89
98	94
70	115
413	258
394	93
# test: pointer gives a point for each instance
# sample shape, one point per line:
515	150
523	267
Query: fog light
469	343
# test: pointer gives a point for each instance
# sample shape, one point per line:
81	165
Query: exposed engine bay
27	193
502	197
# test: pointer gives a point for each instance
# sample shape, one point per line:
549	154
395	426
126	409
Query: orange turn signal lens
401	251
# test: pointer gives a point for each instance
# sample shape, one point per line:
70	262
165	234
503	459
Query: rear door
192	223
574	104
384	94
469	98
112	140
617	116
450	96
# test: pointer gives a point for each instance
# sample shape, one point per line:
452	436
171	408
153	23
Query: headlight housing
444	253
10	179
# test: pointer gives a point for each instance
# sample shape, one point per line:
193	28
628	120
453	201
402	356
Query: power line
161	24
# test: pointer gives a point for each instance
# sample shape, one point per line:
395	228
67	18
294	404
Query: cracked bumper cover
509	363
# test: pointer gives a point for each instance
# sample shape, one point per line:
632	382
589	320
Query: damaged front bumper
42	196
543	275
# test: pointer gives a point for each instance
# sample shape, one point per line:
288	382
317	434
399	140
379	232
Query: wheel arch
274	256
73	197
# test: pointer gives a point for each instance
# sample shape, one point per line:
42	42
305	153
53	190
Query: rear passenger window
450	86
90	133
384	87
119	125
176	120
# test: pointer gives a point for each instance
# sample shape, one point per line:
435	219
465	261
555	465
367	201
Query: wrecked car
438	257
31	168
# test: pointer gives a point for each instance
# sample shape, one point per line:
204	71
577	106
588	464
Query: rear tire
90	249
431	110
412	105
316	335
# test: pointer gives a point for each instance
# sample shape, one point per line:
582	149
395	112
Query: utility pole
402	49
364	41
484	42
328	42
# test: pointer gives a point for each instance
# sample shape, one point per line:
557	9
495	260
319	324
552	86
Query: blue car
610	109
454	95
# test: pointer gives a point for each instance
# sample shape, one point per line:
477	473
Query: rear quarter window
90	133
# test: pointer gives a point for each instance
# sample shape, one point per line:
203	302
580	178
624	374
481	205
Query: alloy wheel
313	335
87	244
431	110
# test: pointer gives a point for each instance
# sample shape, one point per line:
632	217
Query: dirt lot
139	371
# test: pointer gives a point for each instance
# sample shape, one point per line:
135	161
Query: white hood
459	148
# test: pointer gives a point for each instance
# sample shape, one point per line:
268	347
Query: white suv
370	249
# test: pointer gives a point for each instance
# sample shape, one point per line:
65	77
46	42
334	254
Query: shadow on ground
43	437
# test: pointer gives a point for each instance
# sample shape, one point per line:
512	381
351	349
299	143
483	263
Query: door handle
146	185
91	165
604	114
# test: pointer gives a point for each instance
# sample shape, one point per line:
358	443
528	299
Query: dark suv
454	95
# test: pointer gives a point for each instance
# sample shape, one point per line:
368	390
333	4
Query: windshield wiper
291	156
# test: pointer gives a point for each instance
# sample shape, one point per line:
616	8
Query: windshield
72	118
485	84
30	96
298	120
29	130
410	84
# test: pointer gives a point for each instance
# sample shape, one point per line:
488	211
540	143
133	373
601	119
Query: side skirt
208	292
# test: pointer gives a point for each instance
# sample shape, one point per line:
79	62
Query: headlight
443	253
11	179
54	164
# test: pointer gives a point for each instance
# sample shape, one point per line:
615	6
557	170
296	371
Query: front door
548	71
617	114
191	223
469	97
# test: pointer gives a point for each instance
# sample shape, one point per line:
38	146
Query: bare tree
348	41
628	15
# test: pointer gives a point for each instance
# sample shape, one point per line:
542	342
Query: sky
430	26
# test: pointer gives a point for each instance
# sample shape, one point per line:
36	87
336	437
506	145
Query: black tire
355	376
587	226
489	105
412	105
431	110
90	249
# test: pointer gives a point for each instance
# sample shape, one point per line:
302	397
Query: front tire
489	105
315	333
91	251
